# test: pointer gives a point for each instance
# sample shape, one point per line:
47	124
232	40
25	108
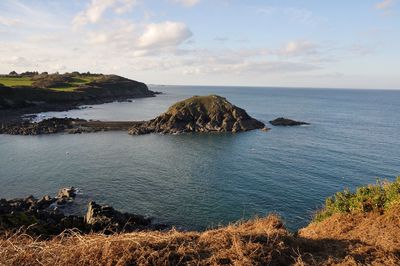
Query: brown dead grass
370	239
256	242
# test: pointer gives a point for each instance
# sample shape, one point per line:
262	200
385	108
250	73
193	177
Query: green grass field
26	81
16	81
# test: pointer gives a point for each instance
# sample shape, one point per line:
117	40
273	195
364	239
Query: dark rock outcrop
66	192
45	217
281	121
62	125
66	195
199	114
106	217
47	126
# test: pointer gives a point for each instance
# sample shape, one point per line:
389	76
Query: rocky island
31	92
281	121
211	113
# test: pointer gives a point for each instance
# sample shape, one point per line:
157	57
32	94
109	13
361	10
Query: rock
37	218
265	129
68	193
47	126
45	202
281	121
199	114
101	217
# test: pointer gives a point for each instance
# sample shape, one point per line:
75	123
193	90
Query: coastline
345	237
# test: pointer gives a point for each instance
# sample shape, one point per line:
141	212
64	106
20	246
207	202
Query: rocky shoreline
64	125
45	217
197	114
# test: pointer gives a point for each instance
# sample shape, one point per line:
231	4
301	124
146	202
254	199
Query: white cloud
9	22
164	34
98	38
298	48
97	8
384	5
188	3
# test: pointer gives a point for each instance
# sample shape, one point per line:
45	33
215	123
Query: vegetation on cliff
362	236
371	198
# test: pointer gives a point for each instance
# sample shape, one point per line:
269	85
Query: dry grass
368	238
342	239
256	242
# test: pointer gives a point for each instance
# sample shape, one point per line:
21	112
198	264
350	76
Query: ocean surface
198	181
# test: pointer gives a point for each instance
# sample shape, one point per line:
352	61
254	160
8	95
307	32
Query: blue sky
340	44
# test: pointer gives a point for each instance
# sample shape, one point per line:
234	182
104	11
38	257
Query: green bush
378	197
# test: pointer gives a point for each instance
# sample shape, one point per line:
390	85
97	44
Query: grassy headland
32	92
350	236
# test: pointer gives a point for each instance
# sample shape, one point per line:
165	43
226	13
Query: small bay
198	181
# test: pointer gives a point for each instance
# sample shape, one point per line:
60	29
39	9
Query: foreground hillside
361	228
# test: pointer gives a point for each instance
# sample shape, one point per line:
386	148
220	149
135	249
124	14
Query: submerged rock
199	114
281	121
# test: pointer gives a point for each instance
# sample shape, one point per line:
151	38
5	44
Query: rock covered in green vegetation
211	113
46	81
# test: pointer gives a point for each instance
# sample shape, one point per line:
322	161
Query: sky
310	43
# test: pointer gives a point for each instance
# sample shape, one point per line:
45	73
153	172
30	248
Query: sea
205	180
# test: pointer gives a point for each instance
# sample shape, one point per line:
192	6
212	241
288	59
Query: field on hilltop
57	82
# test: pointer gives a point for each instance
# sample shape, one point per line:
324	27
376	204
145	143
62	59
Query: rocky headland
281	121
211	113
32	92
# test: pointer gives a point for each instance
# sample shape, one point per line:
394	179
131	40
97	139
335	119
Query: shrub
378	197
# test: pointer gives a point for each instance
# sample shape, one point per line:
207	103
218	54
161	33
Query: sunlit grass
16	81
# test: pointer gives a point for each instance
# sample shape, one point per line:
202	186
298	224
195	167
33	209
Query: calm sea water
203	180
